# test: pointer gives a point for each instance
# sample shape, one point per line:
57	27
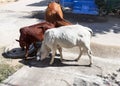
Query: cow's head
43	52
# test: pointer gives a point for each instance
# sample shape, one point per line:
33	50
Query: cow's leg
61	56
38	53
89	52
35	47
26	51
53	56
22	48
80	54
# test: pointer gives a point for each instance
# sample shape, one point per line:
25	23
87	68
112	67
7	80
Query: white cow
66	37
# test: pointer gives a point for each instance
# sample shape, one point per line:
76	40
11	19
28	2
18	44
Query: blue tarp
81	6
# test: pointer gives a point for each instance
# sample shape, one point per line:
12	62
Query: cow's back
33	33
67	36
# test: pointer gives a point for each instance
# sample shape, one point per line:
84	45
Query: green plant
5	71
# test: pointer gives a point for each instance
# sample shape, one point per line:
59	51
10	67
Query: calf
53	12
67	37
32	34
54	15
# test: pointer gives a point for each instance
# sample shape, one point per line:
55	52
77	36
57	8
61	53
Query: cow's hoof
90	65
51	63
76	60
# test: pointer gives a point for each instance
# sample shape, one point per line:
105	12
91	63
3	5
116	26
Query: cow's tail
90	30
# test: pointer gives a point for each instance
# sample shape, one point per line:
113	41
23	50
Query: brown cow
54	15
32	34
53	12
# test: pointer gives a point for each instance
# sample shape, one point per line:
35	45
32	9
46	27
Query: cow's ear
17	40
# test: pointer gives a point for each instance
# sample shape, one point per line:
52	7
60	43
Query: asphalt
68	73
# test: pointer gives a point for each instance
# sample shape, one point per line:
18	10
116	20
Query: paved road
69	73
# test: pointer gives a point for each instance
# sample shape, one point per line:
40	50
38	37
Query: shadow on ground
45	63
41	3
99	24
